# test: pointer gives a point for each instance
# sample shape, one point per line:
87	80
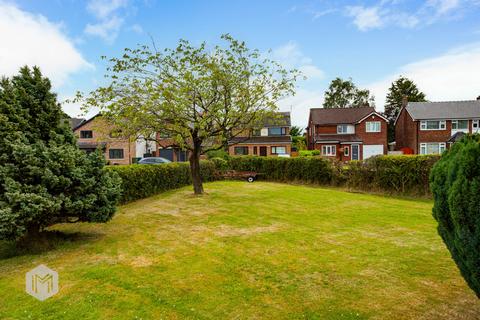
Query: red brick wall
406	135
330	129
373	137
434	135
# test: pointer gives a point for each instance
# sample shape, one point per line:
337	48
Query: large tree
345	94
400	88
200	96
44	178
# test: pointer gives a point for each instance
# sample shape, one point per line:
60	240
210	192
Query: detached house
347	133
272	139
431	127
96	133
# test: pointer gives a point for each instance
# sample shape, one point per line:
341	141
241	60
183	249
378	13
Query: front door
263	151
355	152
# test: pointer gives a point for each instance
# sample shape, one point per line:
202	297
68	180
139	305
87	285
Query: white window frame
375	124
475	126
442	125
329	150
442	146
274	150
346	151
459	129
340	128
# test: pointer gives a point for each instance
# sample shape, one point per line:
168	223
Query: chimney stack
404	101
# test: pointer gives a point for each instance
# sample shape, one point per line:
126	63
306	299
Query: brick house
272	139
168	149
347	133
431	127
96	133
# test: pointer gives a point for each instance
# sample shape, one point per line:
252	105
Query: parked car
153	160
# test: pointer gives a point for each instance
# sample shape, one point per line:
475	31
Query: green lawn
248	251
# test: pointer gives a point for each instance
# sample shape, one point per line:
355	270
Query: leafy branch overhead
201	97
192	92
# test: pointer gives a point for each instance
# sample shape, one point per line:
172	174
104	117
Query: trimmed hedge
141	181
304	169
395	174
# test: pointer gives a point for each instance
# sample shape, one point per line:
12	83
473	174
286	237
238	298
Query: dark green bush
455	183
305	169
396	174
141	181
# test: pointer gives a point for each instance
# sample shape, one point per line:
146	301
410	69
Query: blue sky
435	42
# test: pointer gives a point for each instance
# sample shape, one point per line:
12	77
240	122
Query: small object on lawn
250	176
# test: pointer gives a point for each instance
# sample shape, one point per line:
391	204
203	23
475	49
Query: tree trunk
34	239
195	168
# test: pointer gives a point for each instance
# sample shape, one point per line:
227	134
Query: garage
372	150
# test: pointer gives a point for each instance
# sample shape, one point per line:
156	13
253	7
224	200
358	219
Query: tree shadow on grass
49	241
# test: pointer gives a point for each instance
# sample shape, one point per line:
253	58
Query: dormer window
277	131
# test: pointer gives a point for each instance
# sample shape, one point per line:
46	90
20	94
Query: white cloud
29	39
109	22
309	94
103	9
290	56
137	28
450	76
300	105
365	18
107	29
443	6
391	13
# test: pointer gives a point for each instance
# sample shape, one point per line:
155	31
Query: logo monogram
42	282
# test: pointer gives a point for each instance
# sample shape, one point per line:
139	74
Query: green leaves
44	177
345	94
455	183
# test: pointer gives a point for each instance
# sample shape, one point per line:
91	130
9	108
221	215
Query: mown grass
247	251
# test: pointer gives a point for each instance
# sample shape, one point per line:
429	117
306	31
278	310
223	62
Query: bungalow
347	133
431	127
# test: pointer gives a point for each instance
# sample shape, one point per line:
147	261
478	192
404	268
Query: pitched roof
444	110
75	122
339	115
283	119
84	122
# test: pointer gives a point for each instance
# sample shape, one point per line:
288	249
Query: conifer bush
455	184
44	178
